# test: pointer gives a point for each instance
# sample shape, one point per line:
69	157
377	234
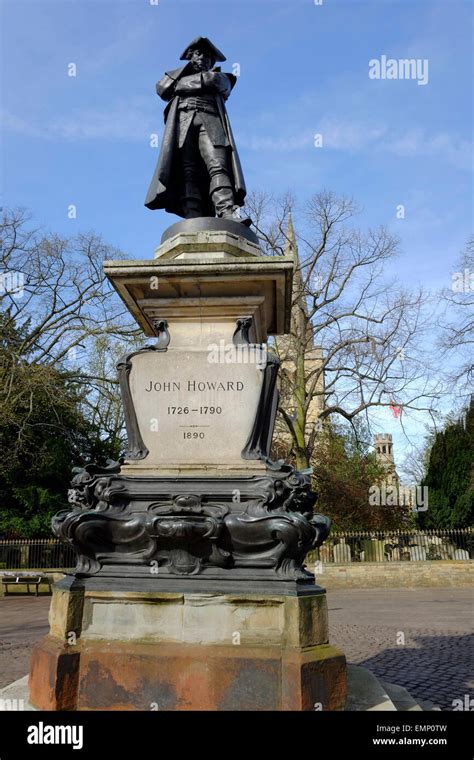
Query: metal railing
36	553
338	549
395	546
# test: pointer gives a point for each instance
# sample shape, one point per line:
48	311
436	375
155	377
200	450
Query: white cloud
19	126
350	135
450	148
362	136
274	143
125	120
135	120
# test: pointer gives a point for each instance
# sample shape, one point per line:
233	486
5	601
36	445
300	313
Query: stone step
15	696
428	706
365	691
400	697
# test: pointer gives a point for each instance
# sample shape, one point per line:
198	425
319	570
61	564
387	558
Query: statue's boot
192	202
222	195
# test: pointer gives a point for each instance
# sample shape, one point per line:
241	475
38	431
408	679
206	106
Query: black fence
37	554
338	549
396	546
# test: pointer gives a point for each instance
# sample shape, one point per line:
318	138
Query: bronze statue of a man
198	171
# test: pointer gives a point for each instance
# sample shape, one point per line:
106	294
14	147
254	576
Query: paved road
23	620
419	638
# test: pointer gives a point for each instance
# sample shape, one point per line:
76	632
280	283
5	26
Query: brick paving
418	638
23	621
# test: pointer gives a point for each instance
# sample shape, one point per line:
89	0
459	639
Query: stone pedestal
202	282
190	590
186	651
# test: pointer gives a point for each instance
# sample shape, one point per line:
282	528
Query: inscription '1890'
195	385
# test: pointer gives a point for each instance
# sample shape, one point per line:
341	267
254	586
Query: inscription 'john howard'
195	385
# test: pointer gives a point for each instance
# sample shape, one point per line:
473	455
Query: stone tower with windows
384	452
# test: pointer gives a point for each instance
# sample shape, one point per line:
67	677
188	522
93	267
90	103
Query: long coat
165	189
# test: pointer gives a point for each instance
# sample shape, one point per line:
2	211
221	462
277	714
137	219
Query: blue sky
84	140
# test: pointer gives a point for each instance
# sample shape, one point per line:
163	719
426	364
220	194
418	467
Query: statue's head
202	54
200	58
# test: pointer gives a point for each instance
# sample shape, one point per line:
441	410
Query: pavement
417	638
23	621
421	639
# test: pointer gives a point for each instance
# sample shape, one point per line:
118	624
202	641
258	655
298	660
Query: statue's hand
209	79
165	87
189	84
215	82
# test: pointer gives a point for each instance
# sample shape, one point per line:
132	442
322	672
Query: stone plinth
210	278
206	390
179	651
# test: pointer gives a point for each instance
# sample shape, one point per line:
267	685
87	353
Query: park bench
27	579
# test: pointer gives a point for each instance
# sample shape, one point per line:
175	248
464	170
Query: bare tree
457	324
415	463
55	306
356	339
102	404
54	290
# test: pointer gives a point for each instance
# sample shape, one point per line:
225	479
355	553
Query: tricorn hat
203	42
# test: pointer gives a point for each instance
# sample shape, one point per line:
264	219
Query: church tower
384	453
288	346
